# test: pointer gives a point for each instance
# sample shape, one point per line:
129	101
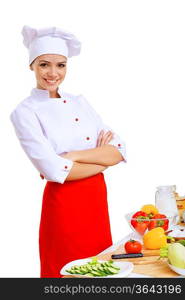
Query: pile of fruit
149	218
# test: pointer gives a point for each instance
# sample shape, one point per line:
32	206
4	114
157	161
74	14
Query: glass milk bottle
165	200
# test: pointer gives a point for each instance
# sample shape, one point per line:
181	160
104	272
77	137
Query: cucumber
76	272
69	271
89	268
95	273
104	264
103	274
112	270
100	268
115	267
83	272
76	267
95	268
106	270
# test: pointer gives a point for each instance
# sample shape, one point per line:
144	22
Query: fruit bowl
141	226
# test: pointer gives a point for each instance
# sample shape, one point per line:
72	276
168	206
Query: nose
52	72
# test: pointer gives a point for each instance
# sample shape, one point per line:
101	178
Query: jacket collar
43	94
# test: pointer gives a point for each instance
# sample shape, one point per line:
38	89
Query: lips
49	81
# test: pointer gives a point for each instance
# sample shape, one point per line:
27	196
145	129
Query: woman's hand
104	139
41	176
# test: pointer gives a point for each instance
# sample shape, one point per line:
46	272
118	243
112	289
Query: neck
54	94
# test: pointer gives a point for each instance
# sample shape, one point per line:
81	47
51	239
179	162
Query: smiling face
50	71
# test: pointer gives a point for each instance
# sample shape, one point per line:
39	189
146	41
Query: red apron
74	222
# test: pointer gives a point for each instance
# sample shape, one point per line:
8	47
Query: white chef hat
51	40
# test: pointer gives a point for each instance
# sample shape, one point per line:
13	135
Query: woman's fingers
107	137
100	136
42	177
104	138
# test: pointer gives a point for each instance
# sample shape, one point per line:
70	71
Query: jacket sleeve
116	140
37	147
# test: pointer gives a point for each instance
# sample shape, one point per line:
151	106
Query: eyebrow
50	62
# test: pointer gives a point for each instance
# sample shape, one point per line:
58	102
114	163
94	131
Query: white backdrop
132	70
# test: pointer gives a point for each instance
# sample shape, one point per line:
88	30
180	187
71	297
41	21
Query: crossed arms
93	161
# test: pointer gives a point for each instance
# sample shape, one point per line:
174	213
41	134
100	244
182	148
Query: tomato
159	223
133	246
141	227
140	221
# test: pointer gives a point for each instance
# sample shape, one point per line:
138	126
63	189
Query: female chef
69	145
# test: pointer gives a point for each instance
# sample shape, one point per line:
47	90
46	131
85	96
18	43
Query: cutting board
148	265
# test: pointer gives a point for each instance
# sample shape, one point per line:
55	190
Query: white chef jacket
47	127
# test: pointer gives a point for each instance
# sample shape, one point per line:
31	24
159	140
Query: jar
165	200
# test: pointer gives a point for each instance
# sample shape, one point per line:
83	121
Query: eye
43	64
62	65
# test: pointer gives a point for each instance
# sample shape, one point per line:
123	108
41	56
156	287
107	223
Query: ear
31	68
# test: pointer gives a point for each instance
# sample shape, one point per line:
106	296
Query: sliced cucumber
100	268
95	268
95	273
116	268
112	270
106	270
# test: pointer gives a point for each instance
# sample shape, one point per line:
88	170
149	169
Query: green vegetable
94	268
94	261
164	252
176	255
170	239
182	242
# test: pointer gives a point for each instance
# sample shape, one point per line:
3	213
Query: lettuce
176	255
